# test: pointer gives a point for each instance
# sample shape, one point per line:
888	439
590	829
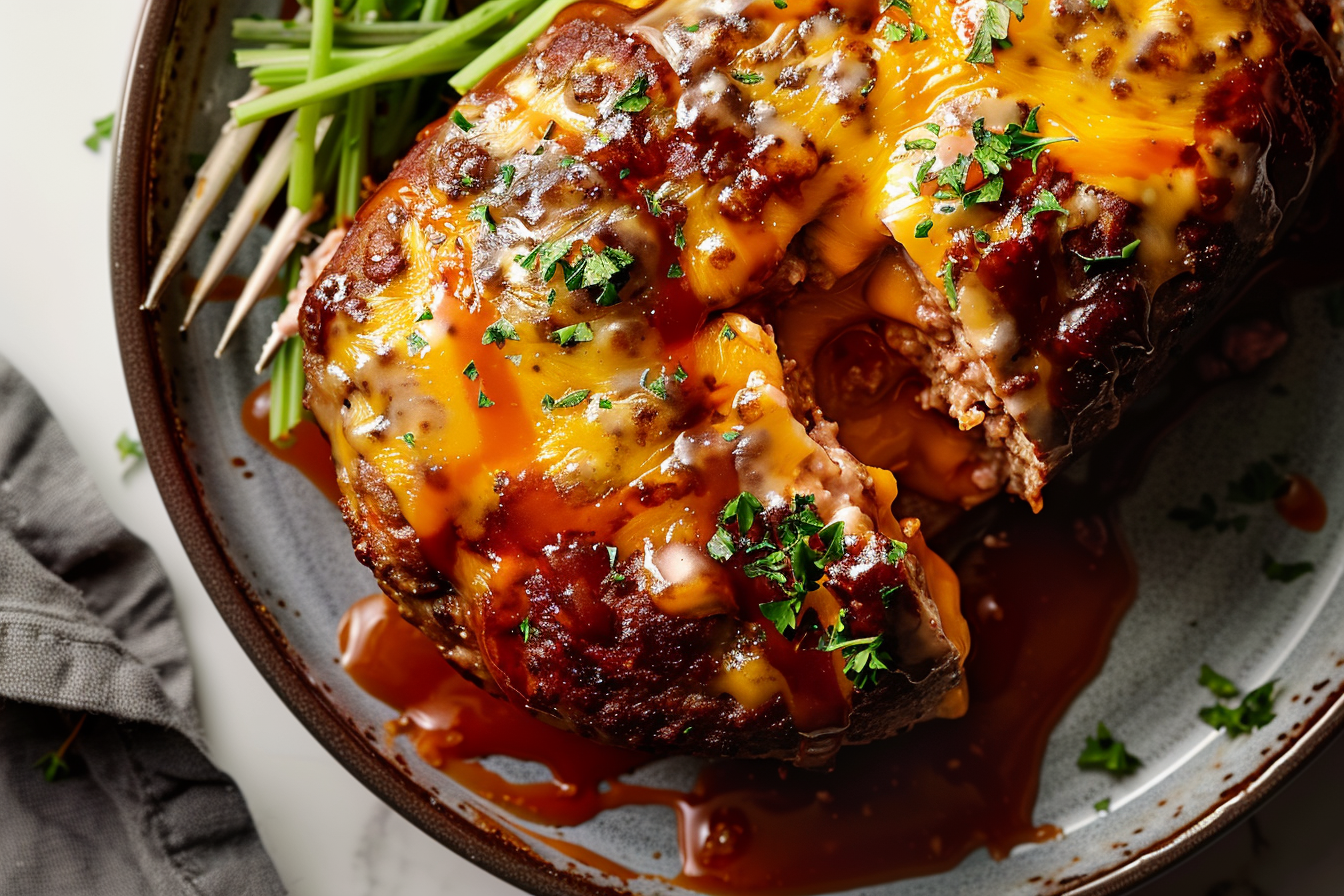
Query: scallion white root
212	179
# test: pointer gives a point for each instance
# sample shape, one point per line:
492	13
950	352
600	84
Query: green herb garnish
1089	262
1284	572
993	30
498	332
128	448
1046	202
570	399
1105	753
1220	686
482	213
102	130
634	99
1256	710
573	333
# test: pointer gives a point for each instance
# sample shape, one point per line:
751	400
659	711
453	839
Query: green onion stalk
345	34
432	11
434	53
287	369
287	373
506	48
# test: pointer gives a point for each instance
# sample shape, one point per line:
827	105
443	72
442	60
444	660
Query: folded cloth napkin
90	645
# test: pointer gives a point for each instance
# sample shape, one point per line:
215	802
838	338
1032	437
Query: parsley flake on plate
1105	753
1256	710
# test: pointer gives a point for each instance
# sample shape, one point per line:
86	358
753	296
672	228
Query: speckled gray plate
276	558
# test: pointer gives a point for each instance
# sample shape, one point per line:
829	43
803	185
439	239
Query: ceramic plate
275	556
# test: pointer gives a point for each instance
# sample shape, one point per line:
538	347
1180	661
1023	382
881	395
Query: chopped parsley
691	28
896	553
567	161
546	256
746	76
896	32
102	130
1102	805
789	560
1206	516
674	271
570	400
680	374
781	4
1089	262
1105	753
993	30
995	154
415	343
498	332
470	371
678	237
1256	710
1099	4
128	448
603	270
1217	684
1046	202
634	99
506	173
409	439
461	121
727	333
1261	482
922	228
572	334
1284	572
604	403
655	207
864	657
625	172
526	628
482	401
732	435
656	387
741	510
947	275
720	545
482	213
425	315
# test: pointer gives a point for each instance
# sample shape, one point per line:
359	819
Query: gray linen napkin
88	632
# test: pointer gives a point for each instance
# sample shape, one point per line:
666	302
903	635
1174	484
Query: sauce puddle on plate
913	805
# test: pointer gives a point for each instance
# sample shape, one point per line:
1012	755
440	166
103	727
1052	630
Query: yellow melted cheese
424	415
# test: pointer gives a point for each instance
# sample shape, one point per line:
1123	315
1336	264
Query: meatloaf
621	363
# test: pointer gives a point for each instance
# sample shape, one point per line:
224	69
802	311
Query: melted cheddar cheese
514	419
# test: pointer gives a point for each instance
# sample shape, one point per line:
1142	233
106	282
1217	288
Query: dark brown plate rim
147	380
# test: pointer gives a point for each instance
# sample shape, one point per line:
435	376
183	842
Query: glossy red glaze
914	805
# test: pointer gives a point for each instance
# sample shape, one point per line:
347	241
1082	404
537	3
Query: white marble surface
328	834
